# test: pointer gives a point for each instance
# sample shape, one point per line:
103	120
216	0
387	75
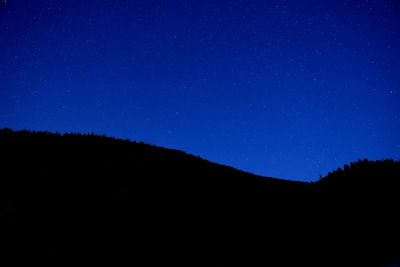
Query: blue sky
288	89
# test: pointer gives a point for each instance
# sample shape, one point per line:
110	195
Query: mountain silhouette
73	198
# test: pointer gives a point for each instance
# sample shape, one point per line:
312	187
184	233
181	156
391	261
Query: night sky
281	88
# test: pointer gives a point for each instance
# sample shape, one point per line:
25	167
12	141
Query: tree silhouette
75	197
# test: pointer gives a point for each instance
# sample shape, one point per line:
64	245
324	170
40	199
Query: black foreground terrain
72	199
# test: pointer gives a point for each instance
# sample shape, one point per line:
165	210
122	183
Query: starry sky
283	88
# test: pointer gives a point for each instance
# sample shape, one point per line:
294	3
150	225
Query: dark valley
71	198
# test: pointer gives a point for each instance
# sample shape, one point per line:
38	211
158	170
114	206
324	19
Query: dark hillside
87	198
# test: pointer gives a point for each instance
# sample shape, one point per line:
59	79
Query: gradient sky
281	88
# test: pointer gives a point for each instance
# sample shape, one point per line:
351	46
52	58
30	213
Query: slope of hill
93	199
